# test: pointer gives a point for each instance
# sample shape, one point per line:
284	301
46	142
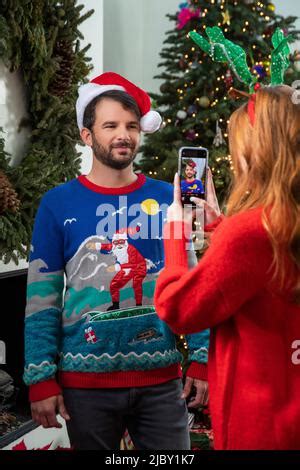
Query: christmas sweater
90	321
254	353
192	187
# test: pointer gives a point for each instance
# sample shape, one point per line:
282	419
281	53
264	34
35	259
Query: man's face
190	172
115	134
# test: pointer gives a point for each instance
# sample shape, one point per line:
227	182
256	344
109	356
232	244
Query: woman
246	287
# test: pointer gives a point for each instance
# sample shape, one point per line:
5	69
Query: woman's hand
211	206
175	210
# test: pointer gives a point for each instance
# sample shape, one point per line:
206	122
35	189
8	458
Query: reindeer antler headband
221	49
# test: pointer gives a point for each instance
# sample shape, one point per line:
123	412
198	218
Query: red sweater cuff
43	390
197	371
211	227
176	236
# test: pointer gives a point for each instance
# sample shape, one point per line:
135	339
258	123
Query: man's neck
104	176
189	180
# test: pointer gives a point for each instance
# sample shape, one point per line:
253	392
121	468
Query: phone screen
193	172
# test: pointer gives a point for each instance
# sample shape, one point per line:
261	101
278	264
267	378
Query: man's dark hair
117	95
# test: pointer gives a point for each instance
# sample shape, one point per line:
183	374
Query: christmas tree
194	99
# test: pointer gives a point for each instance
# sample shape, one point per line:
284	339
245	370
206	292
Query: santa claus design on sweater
130	265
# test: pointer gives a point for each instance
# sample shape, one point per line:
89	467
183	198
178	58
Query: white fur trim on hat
119	236
151	121
87	93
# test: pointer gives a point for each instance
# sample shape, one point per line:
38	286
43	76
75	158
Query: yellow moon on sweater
150	206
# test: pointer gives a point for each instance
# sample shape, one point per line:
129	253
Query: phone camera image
192	171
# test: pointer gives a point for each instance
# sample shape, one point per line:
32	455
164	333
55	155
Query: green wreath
41	39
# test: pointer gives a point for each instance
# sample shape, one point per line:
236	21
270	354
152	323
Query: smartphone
192	169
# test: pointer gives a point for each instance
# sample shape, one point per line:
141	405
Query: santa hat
119	236
190	163
122	233
150	120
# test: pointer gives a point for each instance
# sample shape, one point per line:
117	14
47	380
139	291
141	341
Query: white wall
92	30
134	31
13	103
289	8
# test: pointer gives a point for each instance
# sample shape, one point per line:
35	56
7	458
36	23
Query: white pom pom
151	122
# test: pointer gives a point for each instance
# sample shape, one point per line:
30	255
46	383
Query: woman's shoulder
246	225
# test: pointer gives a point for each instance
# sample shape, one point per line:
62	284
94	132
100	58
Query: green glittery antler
279	61
221	49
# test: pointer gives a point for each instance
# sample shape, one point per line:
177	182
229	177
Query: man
106	369
191	185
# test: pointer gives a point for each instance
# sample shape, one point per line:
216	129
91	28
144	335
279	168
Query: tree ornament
8	197
186	15
192	109
268	31
271	7
190	135
181	114
226	17
260	71
228	79
204	102
219	139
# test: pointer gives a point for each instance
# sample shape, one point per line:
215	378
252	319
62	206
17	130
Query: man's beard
107	158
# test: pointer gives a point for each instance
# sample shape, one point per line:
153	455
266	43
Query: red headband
252	103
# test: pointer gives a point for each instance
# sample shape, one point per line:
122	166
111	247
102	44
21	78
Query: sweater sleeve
227	276
45	286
